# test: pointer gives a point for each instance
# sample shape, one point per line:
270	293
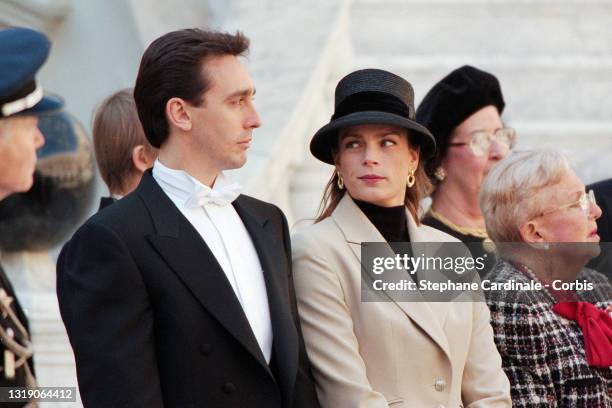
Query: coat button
229	388
440	385
206	349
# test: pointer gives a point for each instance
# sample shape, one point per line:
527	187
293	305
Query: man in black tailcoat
181	293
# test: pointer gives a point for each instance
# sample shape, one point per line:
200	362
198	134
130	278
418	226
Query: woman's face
462	166
562	219
374	162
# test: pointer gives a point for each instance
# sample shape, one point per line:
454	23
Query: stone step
482	3
482	27
567	61
588	145
535	88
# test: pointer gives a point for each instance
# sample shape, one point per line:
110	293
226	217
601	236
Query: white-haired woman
555	339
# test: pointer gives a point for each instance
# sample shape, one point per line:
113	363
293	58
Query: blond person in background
387	353
122	150
555	342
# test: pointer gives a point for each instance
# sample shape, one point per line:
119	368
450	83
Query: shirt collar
181	184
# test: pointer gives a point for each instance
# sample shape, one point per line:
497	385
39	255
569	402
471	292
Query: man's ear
140	159
530	232
178	114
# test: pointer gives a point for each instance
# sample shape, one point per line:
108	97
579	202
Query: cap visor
48	104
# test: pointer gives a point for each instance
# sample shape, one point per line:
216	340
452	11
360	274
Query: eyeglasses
585	202
480	141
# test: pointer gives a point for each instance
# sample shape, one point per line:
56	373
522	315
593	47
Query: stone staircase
553	59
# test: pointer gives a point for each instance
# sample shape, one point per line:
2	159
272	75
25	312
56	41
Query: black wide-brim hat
372	96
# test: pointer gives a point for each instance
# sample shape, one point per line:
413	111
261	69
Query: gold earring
440	174
340	182
411	179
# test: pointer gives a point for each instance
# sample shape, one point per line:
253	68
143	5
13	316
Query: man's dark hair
172	67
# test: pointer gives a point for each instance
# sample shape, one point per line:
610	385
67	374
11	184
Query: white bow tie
205	195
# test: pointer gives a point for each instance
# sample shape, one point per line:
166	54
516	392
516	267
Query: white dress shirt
222	229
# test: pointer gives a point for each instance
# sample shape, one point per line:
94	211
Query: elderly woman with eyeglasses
553	327
463	111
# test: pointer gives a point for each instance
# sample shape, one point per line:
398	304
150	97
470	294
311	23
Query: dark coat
543	353
603	196
105	202
154	322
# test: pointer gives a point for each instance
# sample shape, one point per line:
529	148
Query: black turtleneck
390	221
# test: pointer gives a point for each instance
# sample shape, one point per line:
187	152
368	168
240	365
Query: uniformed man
22	52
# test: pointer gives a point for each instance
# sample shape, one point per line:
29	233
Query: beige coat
387	354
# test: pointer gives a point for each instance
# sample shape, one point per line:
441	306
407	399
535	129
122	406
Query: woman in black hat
463	111
385	353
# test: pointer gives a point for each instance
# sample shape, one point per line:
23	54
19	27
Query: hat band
23	103
372	101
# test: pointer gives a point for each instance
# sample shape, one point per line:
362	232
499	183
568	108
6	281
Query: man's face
19	139
223	124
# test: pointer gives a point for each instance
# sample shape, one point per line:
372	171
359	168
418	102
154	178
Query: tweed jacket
543	353
387	353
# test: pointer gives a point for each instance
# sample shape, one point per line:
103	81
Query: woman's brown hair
421	188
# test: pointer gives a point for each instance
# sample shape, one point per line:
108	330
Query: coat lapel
419	235
182	247
357	229
275	266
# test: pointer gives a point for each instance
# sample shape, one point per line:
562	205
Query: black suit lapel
187	254
273	261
